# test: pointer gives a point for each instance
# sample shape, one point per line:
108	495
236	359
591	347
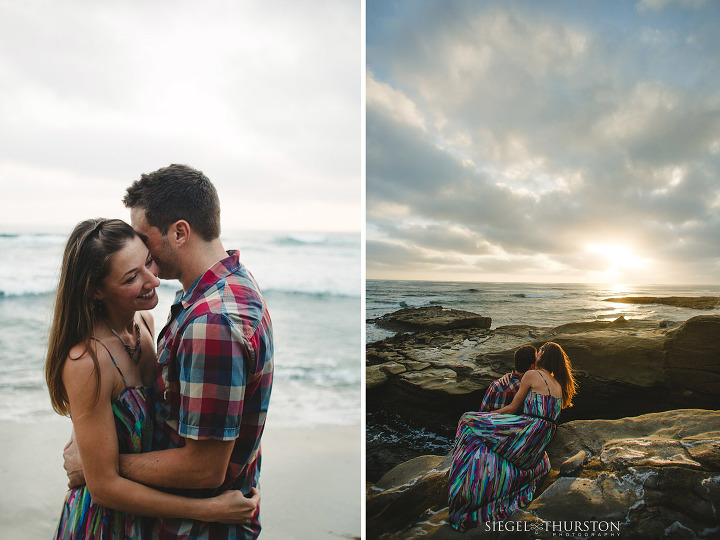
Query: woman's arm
98	446
516	404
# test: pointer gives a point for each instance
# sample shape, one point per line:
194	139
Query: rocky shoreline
691	302
626	369
653	476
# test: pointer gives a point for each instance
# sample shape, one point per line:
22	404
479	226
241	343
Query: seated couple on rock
499	456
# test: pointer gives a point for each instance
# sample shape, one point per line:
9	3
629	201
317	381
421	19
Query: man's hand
234	507
73	465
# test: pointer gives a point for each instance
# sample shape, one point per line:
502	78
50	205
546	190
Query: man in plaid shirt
215	355
502	391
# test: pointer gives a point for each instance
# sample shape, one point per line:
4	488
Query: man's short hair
177	192
524	358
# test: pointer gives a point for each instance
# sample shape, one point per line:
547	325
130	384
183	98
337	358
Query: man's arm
211	387
197	465
490	401
486	405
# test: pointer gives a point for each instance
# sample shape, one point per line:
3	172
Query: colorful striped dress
498	460
81	518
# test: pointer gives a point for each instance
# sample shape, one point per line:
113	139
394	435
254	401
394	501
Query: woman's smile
148	295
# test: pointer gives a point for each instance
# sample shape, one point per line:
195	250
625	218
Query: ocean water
534	304
311	284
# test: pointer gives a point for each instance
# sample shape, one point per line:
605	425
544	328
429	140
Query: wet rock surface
692	302
651	476
431	318
641	445
623	368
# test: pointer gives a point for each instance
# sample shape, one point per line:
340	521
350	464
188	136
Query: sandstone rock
646	453
416	366
382	355
655	475
375	376
606	498
692	302
393	368
444	380
405	493
407	473
664	464
692	357
623	368
431	318
573	463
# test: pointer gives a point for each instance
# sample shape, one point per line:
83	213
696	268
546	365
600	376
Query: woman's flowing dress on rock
81	518
498	460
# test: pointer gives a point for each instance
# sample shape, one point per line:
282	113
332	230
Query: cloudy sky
263	96
551	141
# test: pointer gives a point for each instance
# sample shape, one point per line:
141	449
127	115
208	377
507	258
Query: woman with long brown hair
500	456
99	367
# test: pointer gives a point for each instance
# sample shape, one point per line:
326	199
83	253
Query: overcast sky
544	141
262	96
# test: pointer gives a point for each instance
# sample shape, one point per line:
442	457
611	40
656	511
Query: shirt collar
215	273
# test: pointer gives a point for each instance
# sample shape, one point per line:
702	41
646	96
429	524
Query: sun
620	259
617	255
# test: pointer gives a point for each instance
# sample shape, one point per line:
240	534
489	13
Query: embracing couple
164	445
499	454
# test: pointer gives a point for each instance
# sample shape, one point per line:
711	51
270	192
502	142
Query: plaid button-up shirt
498	394
214	376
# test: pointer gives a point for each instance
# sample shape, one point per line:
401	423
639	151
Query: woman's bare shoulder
80	362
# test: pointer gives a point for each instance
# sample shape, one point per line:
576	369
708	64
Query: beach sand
310	480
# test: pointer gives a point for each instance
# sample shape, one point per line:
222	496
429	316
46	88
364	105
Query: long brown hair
553	359
86	262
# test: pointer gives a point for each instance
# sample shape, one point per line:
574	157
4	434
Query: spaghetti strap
543	378
113	361
146	324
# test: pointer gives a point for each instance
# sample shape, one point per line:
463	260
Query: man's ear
179	233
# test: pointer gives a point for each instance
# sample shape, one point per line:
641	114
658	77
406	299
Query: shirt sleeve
211	359
488	400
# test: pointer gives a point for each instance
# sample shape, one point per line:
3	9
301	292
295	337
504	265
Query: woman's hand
232	506
505	379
